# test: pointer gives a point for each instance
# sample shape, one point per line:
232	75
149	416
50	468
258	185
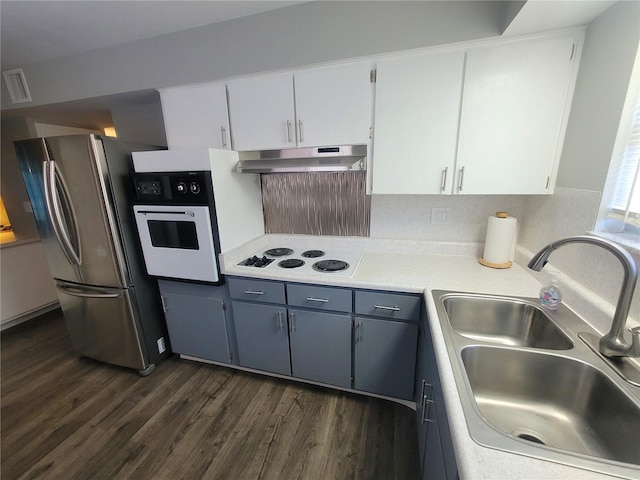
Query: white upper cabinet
262	112
333	105
196	116
416	123
512	122
315	107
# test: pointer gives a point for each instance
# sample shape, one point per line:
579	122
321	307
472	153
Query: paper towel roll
500	245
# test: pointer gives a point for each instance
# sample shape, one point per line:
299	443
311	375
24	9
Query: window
625	203
620	208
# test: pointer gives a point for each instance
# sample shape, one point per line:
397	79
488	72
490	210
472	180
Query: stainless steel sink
530	386
504	321
554	401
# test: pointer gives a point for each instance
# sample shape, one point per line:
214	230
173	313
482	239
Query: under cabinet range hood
318	159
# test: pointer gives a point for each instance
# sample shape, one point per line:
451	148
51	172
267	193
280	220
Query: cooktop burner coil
278	252
313	254
330	266
291	263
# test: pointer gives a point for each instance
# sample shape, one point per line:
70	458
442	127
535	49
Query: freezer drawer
102	324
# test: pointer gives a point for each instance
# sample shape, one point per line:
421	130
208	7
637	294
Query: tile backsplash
421	217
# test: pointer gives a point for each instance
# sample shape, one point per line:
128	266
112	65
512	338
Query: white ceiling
33	31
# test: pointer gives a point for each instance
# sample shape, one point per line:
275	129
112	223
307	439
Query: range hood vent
343	158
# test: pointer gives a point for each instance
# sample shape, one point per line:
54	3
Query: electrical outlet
27	207
161	346
440	216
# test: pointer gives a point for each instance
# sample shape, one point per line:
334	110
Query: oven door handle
157	212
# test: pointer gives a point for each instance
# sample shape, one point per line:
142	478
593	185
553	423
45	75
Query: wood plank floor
63	417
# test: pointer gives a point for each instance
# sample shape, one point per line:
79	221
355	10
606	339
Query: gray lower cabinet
384	357
262	337
385	345
437	457
320	346
310	332
196	318
429	446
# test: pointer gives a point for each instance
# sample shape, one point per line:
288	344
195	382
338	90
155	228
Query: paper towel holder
506	264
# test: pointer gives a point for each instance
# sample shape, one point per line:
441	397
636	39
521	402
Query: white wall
605	69
300	35
27	287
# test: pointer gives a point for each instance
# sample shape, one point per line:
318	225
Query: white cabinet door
196	116
416	123
333	105
512	121
262	112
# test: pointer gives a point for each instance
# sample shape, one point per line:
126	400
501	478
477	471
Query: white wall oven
176	220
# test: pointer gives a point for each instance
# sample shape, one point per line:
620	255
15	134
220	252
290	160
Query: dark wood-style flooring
65	417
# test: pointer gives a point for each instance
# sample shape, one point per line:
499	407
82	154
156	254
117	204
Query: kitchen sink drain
529	435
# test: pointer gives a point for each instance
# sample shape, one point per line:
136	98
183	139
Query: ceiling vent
17	86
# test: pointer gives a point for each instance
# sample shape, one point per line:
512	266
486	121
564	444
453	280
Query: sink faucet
612	344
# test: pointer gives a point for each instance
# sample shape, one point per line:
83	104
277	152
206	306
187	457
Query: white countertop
420	267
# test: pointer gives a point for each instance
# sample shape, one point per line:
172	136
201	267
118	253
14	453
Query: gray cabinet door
262	336
420	389
385	357
433	464
320	346
430	448
197	326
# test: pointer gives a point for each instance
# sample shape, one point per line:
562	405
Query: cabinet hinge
373	74
573	50
230	357
224	306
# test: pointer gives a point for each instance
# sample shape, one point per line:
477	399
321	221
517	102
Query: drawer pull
321	300
425	415
384	307
254	292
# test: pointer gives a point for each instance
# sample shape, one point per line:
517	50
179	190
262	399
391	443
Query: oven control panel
174	188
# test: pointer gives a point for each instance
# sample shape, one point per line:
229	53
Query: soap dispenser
550	295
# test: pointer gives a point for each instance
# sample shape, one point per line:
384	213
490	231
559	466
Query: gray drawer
256	290
388	305
319	298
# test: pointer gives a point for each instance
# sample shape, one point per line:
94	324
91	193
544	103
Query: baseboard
31	314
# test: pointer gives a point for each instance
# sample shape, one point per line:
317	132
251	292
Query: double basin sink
529	385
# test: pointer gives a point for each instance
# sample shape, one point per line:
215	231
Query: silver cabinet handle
444	179
280	323
424	385
223	133
425	402
289	137
254	292
358	331
300	131
461	179
384	307
321	300
293	321
163	299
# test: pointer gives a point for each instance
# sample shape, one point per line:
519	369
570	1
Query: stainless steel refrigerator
80	191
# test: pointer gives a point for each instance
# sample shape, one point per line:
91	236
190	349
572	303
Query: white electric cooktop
338	263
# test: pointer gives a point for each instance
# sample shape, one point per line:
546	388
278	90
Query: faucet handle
634	330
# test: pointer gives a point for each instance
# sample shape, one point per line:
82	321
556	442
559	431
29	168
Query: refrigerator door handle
78	293
54	188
